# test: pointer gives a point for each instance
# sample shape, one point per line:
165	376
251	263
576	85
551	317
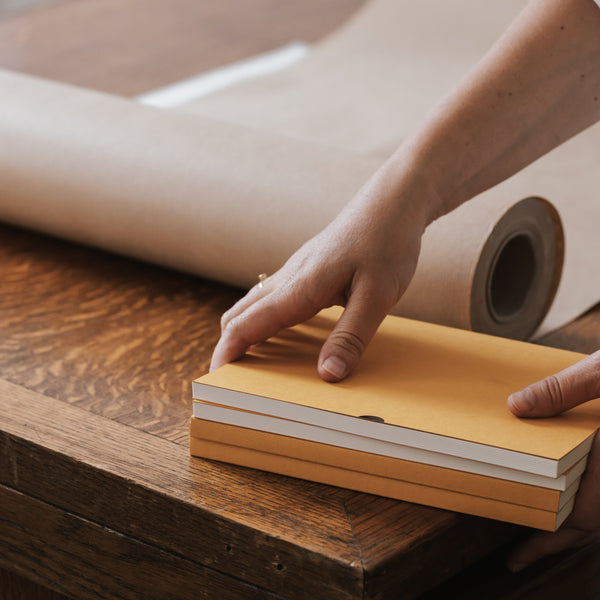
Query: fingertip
340	353
217	360
215	363
521	404
243	329
348	340
333	369
228	348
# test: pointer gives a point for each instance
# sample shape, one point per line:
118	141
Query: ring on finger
261	279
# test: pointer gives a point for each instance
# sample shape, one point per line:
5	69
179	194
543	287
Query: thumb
557	393
346	343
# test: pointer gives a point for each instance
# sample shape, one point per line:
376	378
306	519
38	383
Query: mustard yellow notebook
547	499
383	486
434	388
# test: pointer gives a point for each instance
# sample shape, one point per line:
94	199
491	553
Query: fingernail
335	366
520	403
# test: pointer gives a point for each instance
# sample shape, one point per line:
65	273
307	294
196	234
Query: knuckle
235	327
225	318
552	391
313	299
275	315
381	297
383	304
348	342
301	297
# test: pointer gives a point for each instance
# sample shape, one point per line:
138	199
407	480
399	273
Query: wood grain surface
98	496
117	337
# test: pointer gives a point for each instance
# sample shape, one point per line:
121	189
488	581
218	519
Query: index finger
258	322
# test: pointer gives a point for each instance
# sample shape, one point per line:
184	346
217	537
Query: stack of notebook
422	419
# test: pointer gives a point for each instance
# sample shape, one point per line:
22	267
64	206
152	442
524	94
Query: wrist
406	187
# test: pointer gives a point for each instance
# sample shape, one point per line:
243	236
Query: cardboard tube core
518	270
512	277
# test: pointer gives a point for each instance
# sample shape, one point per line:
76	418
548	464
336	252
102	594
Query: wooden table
98	496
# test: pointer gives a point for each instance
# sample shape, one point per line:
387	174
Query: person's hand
363	260
549	397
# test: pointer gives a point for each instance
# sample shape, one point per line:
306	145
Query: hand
363	260
549	397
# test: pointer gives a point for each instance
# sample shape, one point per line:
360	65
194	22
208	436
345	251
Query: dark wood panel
89	561
131	46
571	575
14	587
421	546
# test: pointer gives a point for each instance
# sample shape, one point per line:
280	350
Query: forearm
538	86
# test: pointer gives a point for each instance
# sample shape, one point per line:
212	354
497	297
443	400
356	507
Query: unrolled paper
230	186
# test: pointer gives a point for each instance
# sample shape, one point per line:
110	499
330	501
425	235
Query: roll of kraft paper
371	83
229	202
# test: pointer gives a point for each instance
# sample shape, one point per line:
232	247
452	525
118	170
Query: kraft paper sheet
230	186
